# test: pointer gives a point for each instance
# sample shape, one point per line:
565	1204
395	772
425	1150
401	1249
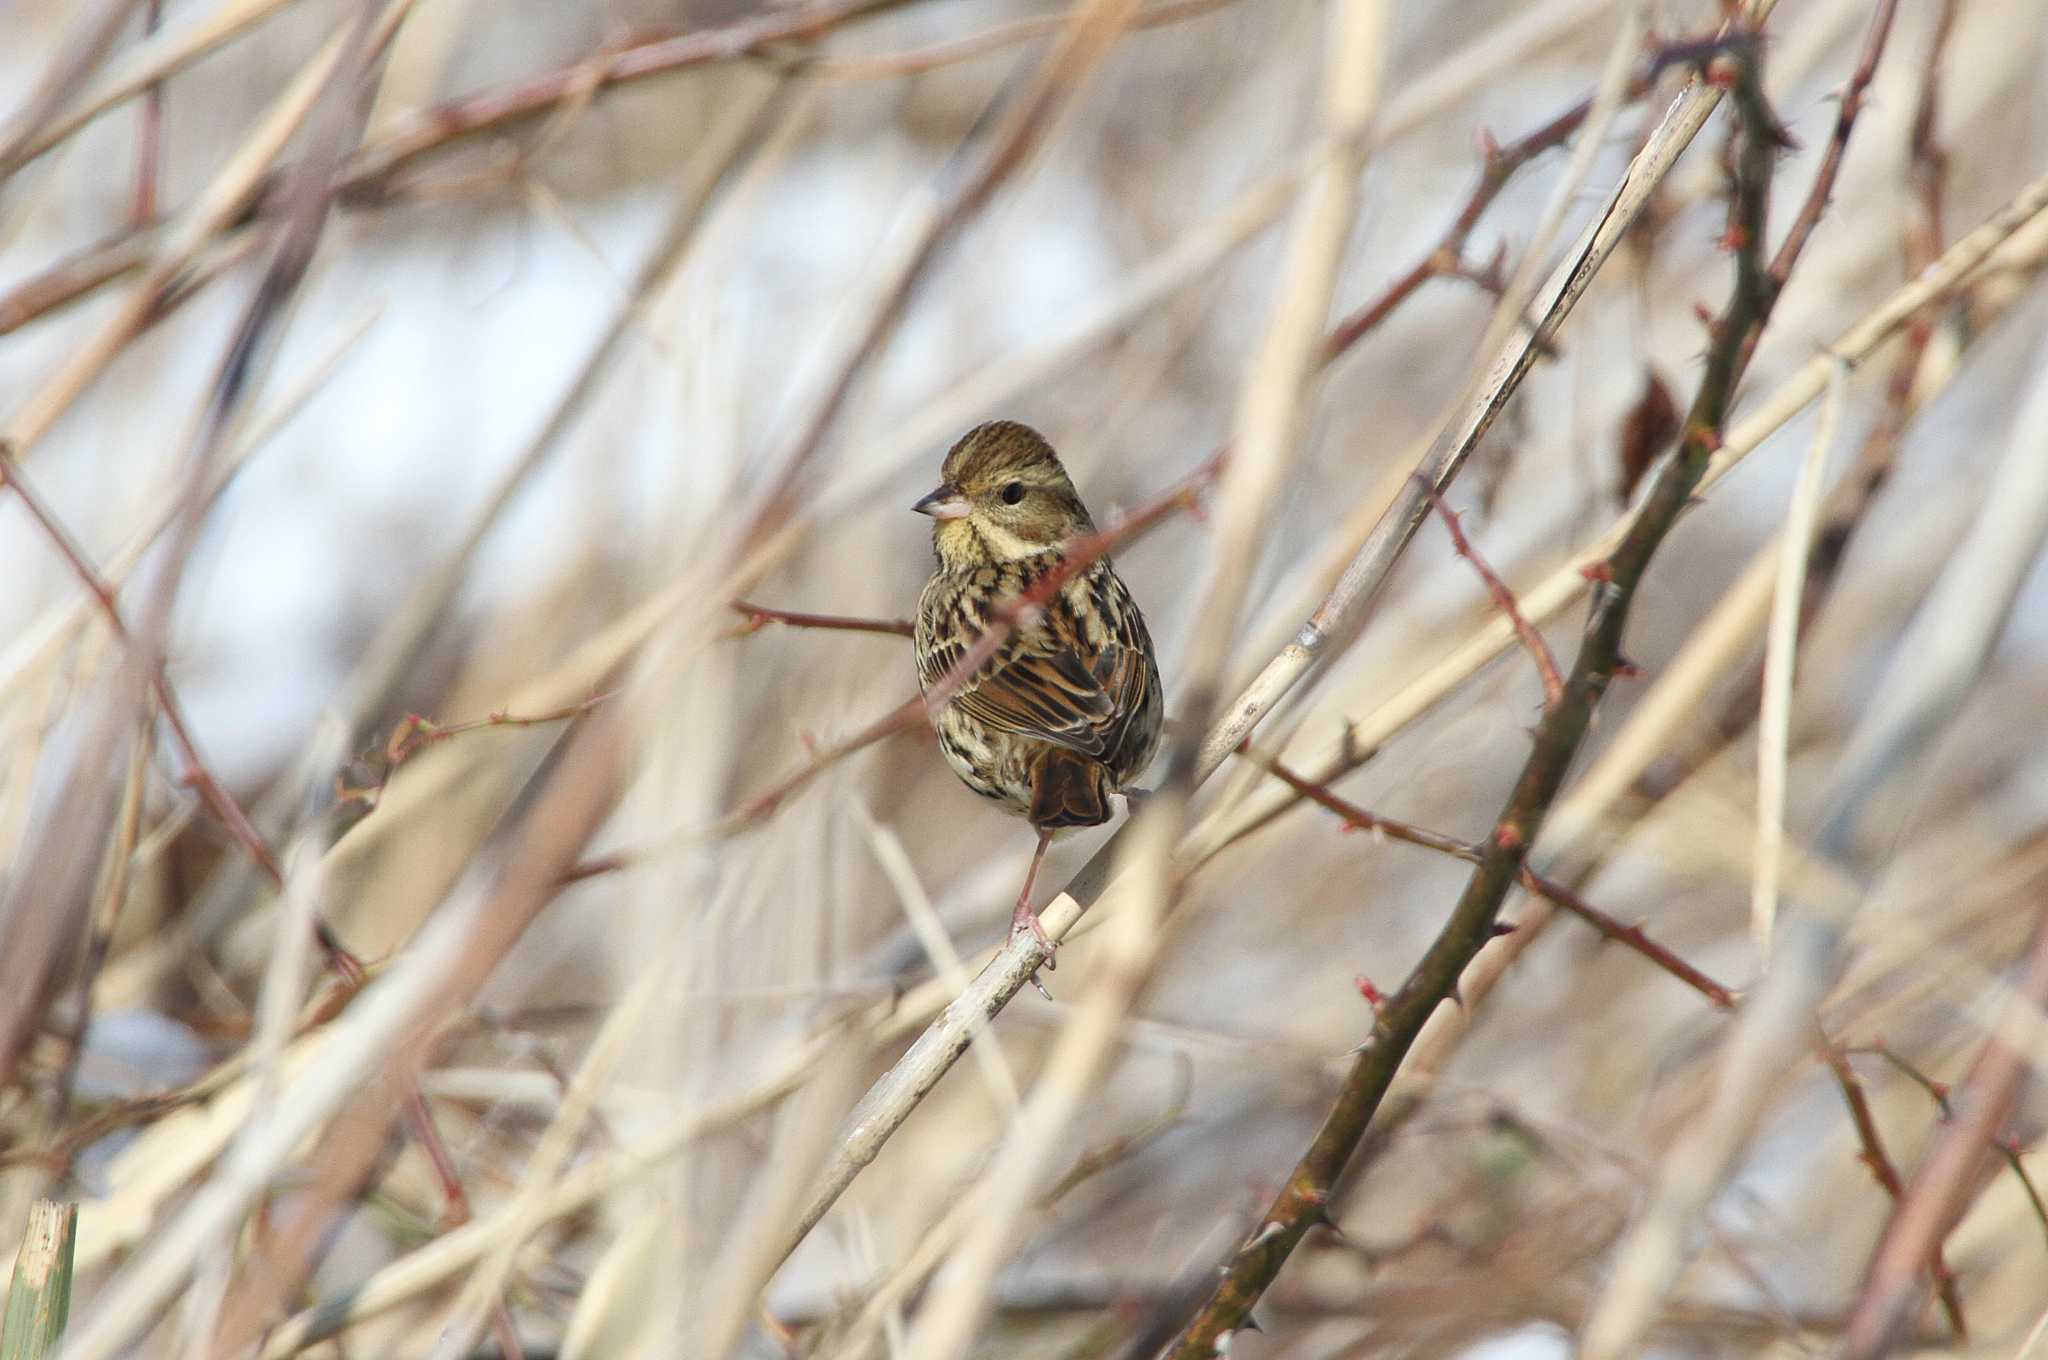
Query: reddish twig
149	136
414	732
1881	1167
1503	598
1822	191
1950	1176
1634	938
1938	1092
760	616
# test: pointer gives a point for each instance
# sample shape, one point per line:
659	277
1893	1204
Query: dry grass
437	924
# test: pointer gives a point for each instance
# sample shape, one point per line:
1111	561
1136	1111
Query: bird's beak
944	503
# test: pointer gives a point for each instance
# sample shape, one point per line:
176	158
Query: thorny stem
1503	598
1304	1201
1635	938
1886	1173
1938	1092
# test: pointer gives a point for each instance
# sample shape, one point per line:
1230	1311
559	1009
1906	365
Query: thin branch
1503	598
1356	818
991	40
759	616
149	135
1950	1176
1938	1092
415	731
1886	1174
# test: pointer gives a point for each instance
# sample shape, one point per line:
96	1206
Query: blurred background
626	310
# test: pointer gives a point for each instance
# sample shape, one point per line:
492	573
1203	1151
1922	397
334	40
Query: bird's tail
1069	789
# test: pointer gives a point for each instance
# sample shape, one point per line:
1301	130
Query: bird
1065	712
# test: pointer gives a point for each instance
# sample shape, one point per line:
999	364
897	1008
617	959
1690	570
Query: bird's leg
1024	918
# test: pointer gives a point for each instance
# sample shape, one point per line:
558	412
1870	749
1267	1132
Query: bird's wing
1051	682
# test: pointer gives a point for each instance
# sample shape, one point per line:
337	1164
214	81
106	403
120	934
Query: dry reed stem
1774	717
89	40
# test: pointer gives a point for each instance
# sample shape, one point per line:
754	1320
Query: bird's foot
1135	799
1025	919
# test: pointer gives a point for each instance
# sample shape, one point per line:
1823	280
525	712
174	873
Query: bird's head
1002	496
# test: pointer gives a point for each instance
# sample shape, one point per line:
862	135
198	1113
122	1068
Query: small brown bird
1066	711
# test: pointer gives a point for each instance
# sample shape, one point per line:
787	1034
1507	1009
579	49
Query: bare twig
1951	1175
989	41
1503	599
1886	1174
1939	1092
759	616
1635	938
149	135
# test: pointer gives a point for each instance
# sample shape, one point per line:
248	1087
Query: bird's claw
1025	919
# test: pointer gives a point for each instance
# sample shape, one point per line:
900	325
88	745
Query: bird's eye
1013	493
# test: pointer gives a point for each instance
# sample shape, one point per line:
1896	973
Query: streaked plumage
1066	712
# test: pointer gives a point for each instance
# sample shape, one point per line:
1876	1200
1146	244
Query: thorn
1625	669
1501	929
1251	1324
1598	571
1487	144
1374	997
1734	239
1703	315
1508	836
